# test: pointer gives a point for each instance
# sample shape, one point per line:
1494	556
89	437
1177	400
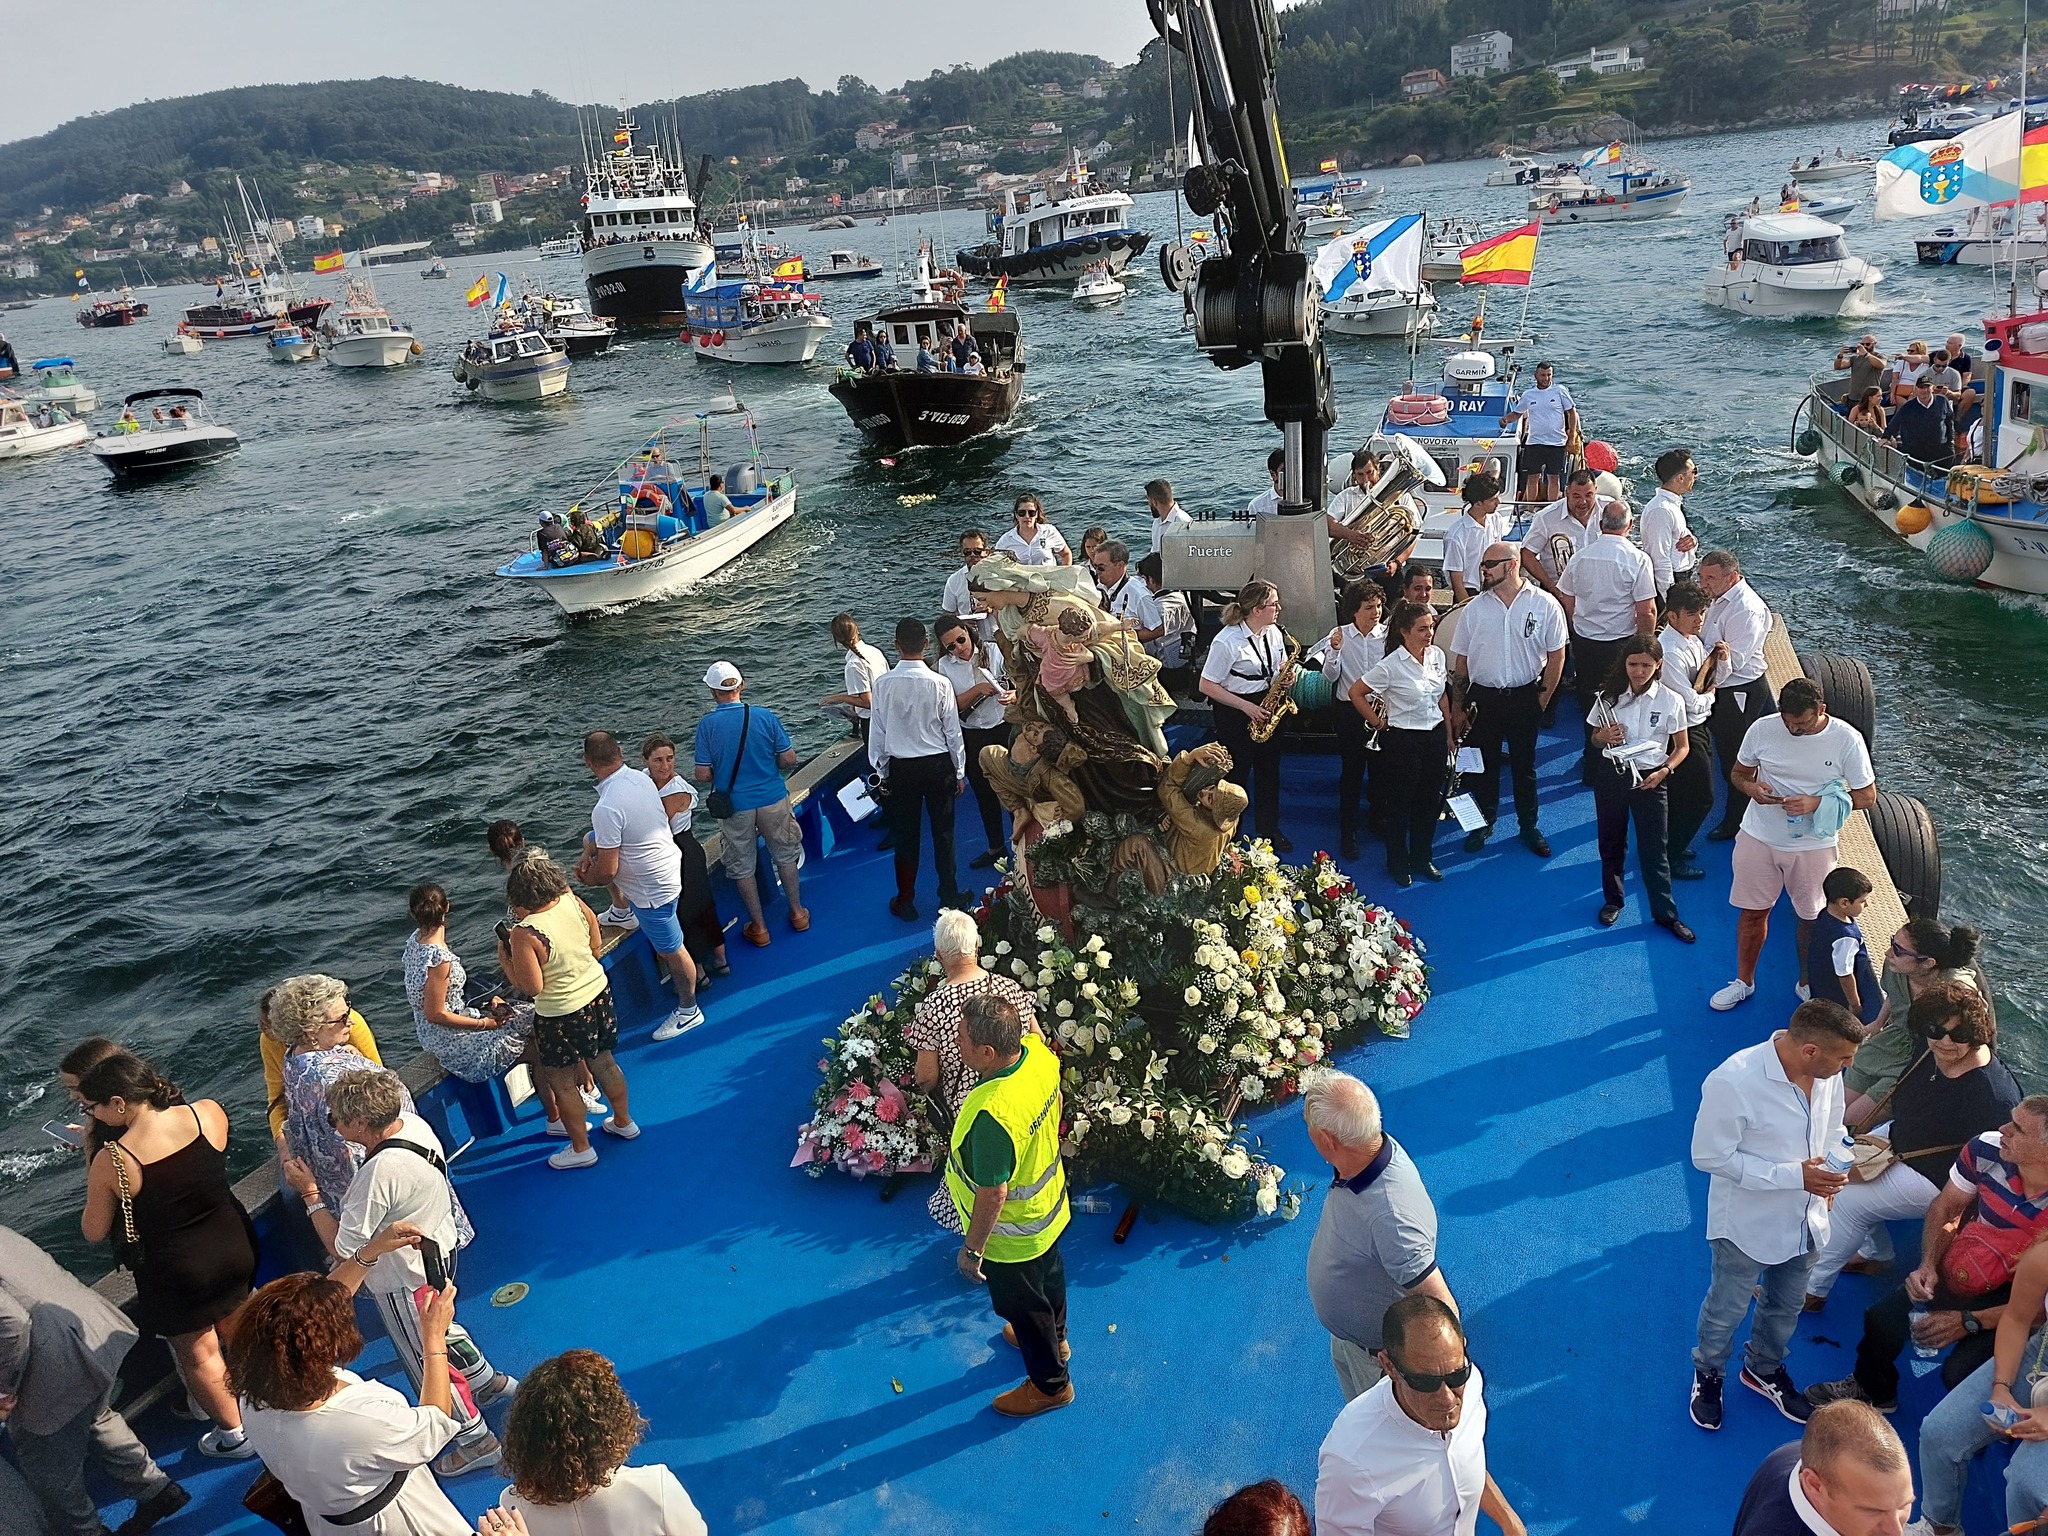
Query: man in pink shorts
1797	767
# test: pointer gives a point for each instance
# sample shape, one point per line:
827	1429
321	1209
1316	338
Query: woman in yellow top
274	1050
551	955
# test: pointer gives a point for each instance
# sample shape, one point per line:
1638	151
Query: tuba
1279	700
1558	553
1381	517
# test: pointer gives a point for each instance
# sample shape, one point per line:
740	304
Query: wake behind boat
176	434
664	533
1792	265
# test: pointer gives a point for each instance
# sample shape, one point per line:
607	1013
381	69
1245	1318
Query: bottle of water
1092	1204
2000	1416
1841	1157
1914	1319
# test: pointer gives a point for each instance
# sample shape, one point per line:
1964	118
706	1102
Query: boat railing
1869	451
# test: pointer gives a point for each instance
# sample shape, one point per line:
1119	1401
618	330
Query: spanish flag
1329	165
333	261
1508	258
794	267
479	291
2034	166
998	296
622	137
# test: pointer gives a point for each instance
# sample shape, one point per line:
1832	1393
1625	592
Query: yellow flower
1251	893
1251	958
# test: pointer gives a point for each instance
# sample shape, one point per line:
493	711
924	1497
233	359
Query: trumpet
1279	703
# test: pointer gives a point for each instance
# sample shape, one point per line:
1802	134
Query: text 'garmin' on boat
514	362
1370	281
1052	236
642	237
664	532
27	430
1791	265
177	432
56	382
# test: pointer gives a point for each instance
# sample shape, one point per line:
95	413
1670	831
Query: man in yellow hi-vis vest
1006	1180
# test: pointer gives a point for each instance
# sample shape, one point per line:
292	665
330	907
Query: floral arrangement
1227	987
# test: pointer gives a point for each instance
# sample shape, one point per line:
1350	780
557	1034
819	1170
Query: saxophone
1279	700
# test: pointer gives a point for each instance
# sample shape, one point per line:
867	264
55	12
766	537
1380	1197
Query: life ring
1911	848
655	497
1418	410
1846	689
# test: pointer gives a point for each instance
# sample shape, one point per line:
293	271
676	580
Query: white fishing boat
842	266
514	362
171	431
1098	286
1322	217
1994	236
641	234
1836	167
570	244
659	535
293	344
1622	196
564	321
362	334
1820	206
1792	265
26	430
182	342
753	319
1370	281
55	381
1515	170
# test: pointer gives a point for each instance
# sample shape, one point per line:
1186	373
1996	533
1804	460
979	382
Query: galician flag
478	292
333	261
1383	257
1978	167
1508	258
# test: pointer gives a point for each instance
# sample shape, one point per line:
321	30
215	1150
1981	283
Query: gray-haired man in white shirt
1768	1117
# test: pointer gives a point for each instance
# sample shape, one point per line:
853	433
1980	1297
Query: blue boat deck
810	1362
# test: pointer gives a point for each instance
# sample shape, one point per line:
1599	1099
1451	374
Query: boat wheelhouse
362	334
114	309
1053	236
57	383
642	237
753	320
1790	265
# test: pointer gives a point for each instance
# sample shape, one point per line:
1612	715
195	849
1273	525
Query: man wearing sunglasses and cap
742	753
1410	1455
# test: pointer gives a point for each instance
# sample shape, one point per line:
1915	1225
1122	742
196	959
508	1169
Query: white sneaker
556	1128
593	1101
1729	996
226	1445
1803	992
682	1019
630	1131
569	1157
618	917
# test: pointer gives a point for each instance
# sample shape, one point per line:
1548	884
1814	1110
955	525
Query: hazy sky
66	62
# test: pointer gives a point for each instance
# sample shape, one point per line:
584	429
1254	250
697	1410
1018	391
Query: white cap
723	677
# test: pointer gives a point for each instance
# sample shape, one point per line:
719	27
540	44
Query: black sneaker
1848	1389
1706	1398
161	1505
1476	839
1777	1386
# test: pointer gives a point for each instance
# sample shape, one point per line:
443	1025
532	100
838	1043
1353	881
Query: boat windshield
1794	253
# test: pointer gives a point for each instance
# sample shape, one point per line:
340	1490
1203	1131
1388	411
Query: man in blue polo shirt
742	752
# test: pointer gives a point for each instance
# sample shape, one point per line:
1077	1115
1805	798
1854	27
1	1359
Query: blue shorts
660	926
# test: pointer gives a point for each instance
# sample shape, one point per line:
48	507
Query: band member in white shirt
974	673
1033	540
958	598
1345	652
1610	599
1576	515
1692	781
1248	653
1123	593
916	747
1667	537
1176	640
1345	505
1403	692
1648	720
1738	622
1482	523
1167	516
864	664
1267	502
1509	648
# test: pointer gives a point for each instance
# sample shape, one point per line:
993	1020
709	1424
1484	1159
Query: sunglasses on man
1426	1383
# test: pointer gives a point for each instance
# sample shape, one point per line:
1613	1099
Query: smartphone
432	1262
504	932
72	1136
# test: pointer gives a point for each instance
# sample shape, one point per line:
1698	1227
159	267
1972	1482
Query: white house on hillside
1483	53
1598	61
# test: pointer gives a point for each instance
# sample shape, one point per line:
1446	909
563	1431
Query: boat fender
1091	246
1846	690
1848	474
667	527
459	373
1884	501
1809	441
417	350
1911	850
1915	517
1961	552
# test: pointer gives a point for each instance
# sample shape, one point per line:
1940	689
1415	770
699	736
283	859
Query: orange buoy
1914	517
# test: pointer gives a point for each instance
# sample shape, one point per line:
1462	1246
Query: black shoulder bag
719	801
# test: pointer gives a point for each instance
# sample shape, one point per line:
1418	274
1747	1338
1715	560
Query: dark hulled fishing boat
902	408
115	309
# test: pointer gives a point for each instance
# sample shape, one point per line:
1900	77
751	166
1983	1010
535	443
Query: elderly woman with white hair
934	1030
310	1016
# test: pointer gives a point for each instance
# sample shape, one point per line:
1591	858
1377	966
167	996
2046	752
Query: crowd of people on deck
1882	1098
1928	402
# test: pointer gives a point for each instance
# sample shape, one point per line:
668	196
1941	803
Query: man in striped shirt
1994	1206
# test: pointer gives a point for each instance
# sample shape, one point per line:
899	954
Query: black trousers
1255	765
697	910
1595	659
1506	723
1357	769
1032	1298
1691	793
1615	805
1736	708
920	786
1412	778
984	795
1887	1329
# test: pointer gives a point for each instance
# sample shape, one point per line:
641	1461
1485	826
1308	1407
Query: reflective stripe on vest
1025	1103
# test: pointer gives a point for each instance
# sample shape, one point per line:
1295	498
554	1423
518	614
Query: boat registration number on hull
944	418
610	290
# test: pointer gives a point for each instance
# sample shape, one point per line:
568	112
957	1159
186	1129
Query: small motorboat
176	433
182	343
1989	236
27	430
1789	265
1819	207
293	344
435	268
57	383
1631	193
659	536
362	334
10	361
564	321
514	362
115	309
1836	167
1515	170
1098	285
843	265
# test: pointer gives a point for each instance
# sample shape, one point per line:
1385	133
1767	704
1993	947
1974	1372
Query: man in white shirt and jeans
916	747
630	846
1410	1453
1787	764
1768	1117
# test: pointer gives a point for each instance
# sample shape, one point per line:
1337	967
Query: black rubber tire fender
1846	689
1911	848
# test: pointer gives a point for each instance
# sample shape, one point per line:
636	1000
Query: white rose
1002	946
1019	968
1235	1163
1119	1114
1102	960
1212	1152
1192	996
1089	989
1206	1045
1045	933
1064	1009
1116	1053
1094	943
1045	978
1267	1199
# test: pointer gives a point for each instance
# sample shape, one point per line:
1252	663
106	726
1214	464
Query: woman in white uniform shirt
1033	541
340	1444
1692	781
975	675
567	1437
1345	653
1248	653
1647	715
1403	692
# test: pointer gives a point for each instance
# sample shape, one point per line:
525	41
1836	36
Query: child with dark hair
1838	964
